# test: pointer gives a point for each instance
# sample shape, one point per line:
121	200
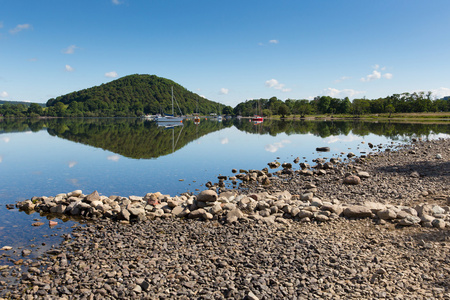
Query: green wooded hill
131	95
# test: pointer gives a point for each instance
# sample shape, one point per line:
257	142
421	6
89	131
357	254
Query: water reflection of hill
329	128
132	138
136	138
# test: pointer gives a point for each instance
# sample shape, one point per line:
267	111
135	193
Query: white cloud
273	83
441	92
20	27
112	74
342	79
335	93
224	91
1	158
375	75
69	68
4	94
273	41
72	164
341	138
224	141
275	146
116	2
6	139
70	49
113	157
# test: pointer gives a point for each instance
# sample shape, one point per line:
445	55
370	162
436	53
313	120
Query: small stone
352	180
362	174
414	174
322	218
323	149
251	296
438	223
137	289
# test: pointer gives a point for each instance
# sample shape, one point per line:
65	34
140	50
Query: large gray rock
125	214
197	214
305	214
136	210
334	208
375	206
180	211
409	220
92	197
357	211
207	196
215	209
285	195
387	214
307	196
234	215
424	209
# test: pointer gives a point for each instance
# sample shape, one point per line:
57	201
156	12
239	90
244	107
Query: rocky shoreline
375	226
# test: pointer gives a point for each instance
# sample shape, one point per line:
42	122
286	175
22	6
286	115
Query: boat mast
172	102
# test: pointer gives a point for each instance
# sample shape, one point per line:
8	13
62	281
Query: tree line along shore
136	95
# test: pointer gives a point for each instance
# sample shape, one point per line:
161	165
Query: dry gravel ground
339	259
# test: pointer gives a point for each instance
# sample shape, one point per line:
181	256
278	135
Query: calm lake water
133	157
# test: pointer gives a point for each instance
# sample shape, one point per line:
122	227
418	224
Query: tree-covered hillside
131	95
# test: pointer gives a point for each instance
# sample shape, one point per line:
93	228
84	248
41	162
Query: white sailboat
169	118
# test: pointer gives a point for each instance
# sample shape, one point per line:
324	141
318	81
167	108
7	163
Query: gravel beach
330	255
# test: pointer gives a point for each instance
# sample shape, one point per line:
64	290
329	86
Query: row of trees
107	101
402	103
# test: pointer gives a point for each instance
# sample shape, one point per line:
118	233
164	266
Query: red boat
257	118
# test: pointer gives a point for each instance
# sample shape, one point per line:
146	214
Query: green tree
302	107
323	104
35	109
283	110
390	109
227	110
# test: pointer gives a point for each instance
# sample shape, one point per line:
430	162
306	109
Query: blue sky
227	51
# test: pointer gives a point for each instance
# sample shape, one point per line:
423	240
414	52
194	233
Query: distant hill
20	102
133	95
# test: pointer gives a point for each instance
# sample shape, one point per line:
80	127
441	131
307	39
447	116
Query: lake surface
134	157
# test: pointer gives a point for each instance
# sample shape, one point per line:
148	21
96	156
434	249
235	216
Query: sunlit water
61	156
